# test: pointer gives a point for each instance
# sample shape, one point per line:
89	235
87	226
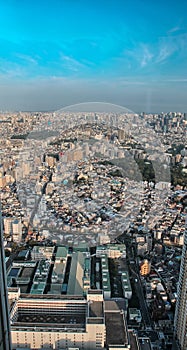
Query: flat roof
87	263
38	288
116	332
59	268
133	341
96	309
27	271
105	273
126	281
56	288
110	246
23	253
111	305
83	246
75	283
38	248
61	252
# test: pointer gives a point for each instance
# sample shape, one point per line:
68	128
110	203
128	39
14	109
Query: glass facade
5	342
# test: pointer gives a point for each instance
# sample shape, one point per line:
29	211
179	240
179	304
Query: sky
55	53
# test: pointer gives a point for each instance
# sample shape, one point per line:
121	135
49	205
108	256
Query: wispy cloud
147	56
141	55
161	52
71	63
174	30
172	44
15	72
165	52
28	59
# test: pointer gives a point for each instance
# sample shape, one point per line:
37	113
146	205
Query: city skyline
59	53
93	223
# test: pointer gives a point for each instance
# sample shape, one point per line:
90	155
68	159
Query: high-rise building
16	230
7	226
145	267
180	323
5	342
121	135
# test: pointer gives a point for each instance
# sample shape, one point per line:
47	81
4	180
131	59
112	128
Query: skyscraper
5	342
180	323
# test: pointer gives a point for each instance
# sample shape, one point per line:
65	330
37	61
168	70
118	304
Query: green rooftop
61	252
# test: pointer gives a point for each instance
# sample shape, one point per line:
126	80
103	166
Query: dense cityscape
93	218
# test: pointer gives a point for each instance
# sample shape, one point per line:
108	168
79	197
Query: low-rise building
105	276
135	315
112	250
40	252
126	285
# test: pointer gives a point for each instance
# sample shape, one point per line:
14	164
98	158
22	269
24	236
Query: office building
79	279
112	251
126	285
145	267
68	322
58	322
5	342
180	323
17	230
39	252
7	226
121	135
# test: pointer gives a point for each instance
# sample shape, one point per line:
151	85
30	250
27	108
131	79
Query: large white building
180	323
113	251
57	323
17	230
64	322
7	226
39	252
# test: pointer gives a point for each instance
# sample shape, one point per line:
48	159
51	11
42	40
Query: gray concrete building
180	323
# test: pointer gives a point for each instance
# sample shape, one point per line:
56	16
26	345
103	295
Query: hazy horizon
59	53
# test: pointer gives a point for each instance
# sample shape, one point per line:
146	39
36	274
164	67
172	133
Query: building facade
5	341
145	267
58	322
180	323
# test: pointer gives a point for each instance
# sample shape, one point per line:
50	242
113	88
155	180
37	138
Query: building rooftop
75	283
47	320
111	305
61	252
116	332
27	272
96	309
133	341
53	297
38	288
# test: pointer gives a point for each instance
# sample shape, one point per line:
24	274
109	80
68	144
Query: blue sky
54	53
